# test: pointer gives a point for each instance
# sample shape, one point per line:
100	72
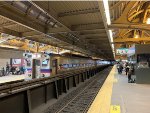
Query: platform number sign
115	109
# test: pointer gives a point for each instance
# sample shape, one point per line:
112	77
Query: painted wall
3	62
7	54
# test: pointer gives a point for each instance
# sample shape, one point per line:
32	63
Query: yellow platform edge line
102	102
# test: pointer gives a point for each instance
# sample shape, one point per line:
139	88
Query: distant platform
119	96
10	78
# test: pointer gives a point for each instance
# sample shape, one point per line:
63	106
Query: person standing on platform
7	68
127	68
129	75
3	71
132	68
121	68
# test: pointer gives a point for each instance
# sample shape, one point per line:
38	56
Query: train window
38	62
65	65
70	65
73	65
28	62
45	63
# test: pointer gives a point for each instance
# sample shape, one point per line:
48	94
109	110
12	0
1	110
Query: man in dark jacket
127	69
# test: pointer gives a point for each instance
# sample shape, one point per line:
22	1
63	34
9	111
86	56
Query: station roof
76	25
130	23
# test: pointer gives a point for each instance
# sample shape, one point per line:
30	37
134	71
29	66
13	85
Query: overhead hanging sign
121	51
131	51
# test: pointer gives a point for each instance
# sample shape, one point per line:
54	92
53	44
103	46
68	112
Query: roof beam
89	26
37	5
57	30
76	31
94	35
97	38
20	19
7	24
130	26
11	32
131	39
30	33
124	15
52	16
101	43
12	14
78	12
15	15
88	30
116	5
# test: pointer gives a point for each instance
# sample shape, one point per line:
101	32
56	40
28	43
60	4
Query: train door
36	67
55	66
46	67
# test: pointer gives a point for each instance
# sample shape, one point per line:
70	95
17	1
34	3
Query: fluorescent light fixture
111	39
111	36
64	51
112	46
148	21
114	55
107	13
113	51
106	7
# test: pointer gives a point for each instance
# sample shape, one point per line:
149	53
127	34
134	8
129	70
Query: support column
56	89
27	102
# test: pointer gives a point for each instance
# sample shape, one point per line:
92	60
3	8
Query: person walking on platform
118	67
132	68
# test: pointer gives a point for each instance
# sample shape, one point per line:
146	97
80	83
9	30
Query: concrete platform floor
10	78
131	97
119	96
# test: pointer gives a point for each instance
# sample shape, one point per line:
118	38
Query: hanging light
148	21
107	13
136	36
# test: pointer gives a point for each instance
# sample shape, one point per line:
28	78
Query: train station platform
119	96
11	78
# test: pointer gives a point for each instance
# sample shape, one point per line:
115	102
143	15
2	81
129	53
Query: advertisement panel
131	51
121	51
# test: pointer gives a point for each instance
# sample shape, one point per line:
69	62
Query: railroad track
79	100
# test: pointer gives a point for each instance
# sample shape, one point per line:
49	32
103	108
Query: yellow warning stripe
115	80
114	109
102	102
